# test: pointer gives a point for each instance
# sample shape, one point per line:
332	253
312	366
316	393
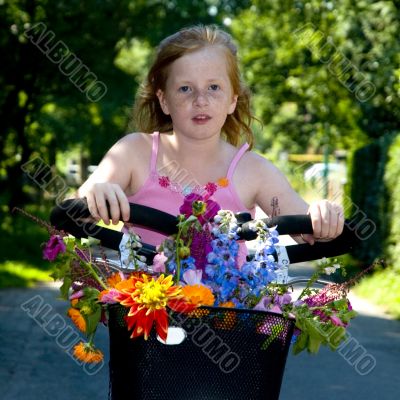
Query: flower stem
91	270
178	259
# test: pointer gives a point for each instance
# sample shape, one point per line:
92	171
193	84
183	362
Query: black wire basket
225	354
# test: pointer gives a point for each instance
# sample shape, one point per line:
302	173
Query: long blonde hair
148	115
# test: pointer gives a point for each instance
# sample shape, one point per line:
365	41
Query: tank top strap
154	152
236	159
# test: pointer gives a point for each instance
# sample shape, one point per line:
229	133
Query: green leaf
64	289
336	336
93	319
301	343
91	294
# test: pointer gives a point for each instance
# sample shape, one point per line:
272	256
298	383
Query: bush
370	195
392	183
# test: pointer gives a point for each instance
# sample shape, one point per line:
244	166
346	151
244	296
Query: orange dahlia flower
114	279
77	318
147	299
198	295
87	353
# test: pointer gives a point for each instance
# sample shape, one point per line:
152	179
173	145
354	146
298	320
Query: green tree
63	78
314	68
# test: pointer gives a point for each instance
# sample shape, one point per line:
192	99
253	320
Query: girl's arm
112	179
273	190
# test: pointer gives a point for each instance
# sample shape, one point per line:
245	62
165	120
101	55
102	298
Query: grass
382	288
21	263
20	274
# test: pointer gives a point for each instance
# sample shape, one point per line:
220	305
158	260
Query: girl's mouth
201	119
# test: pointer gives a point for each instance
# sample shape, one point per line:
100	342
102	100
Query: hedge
372	194
392	183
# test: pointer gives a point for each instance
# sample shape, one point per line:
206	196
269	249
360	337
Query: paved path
364	368
35	362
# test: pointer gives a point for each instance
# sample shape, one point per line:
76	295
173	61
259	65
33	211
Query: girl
194	97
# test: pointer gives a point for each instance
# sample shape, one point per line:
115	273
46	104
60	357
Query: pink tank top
166	195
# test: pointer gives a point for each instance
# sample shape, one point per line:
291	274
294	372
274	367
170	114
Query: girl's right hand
98	195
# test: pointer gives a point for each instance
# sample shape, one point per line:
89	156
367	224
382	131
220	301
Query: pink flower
53	248
193	277
110	297
210	188
76	295
336	320
164	181
159	263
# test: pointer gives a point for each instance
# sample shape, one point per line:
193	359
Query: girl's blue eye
184	89
214	87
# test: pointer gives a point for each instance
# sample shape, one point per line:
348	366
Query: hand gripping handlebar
73	216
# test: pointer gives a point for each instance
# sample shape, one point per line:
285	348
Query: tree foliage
322	72
47	105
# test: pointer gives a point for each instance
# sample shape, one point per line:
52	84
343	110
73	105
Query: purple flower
264	304
211	207
53	248
283	299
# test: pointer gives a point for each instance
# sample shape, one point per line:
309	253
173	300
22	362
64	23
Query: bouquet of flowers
198	266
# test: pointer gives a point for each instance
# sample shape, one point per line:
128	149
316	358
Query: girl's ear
232	107
163	104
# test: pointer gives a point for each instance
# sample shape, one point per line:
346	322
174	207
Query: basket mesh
228	354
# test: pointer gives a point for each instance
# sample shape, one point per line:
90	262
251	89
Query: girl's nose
200	98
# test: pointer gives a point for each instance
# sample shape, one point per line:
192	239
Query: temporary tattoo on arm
275	207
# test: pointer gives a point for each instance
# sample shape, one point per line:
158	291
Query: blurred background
325	78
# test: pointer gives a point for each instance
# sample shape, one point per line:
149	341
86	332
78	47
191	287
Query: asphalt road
35	361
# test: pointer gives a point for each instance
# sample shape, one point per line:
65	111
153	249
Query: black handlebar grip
287	225
341	245
68	216
297	224
70	212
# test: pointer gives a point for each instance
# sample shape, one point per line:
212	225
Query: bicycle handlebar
67	215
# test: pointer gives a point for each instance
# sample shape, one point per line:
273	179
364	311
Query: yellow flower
77	319
147	300
199	207
87	353
155	294
198	295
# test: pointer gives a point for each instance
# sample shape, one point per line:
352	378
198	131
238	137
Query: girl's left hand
327	221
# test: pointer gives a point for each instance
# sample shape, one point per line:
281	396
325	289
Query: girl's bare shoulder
132	146
258	166
139	140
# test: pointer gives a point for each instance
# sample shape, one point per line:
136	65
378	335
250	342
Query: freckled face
198	94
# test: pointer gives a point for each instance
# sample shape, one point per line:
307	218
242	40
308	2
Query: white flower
332	269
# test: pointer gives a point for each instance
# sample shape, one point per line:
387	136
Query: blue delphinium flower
227	280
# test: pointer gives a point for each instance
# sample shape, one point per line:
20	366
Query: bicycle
207	359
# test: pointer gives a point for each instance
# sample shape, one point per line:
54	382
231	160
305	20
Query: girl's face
198	93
